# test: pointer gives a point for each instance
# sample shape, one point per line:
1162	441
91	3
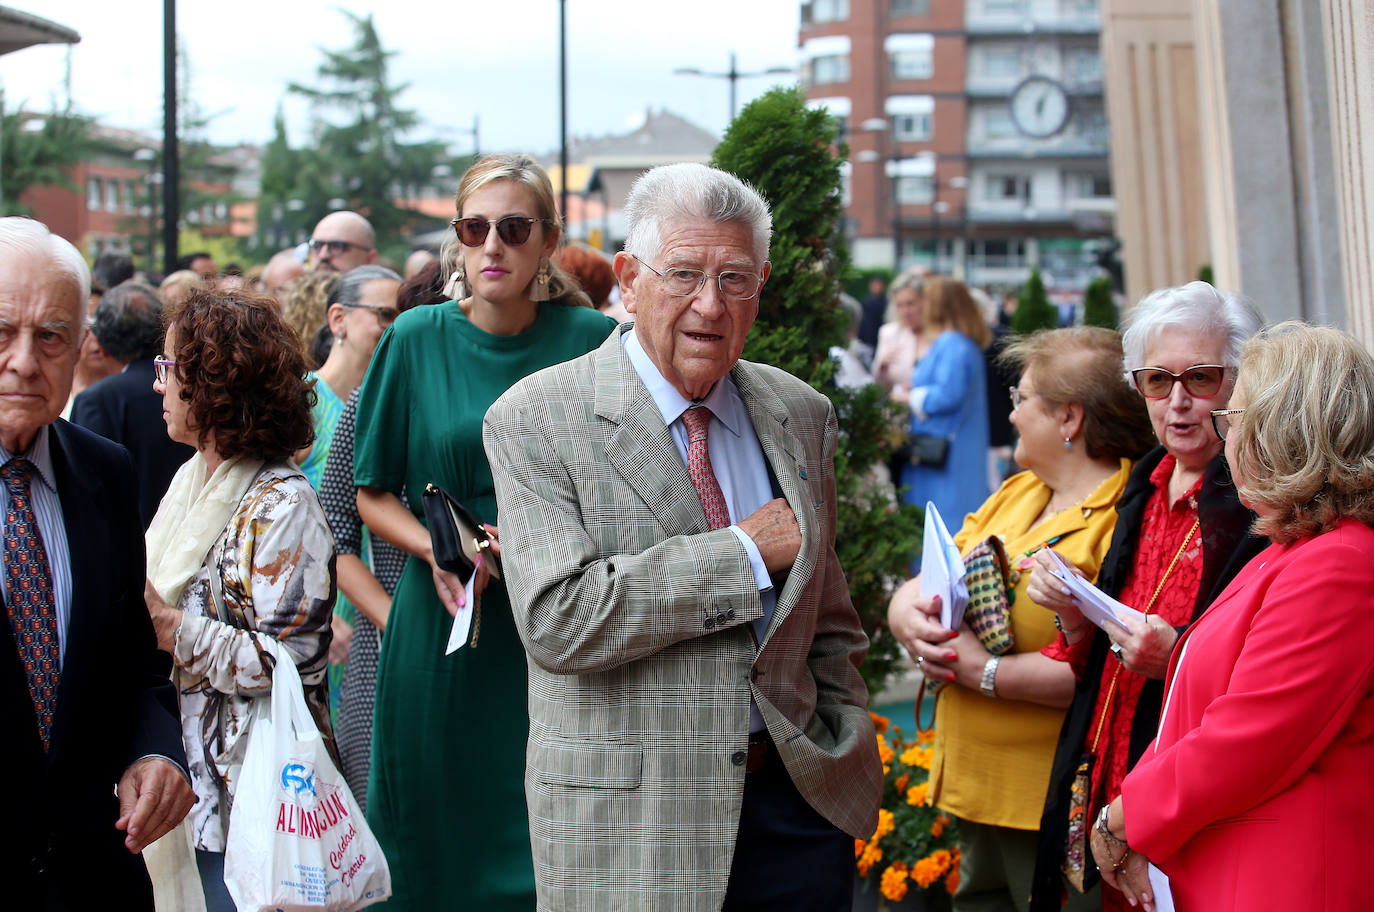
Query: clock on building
1039	107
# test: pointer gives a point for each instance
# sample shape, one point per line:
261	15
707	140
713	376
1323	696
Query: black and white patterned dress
339	497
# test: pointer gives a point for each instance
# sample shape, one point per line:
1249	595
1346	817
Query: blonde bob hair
1304	446
563	288
950	306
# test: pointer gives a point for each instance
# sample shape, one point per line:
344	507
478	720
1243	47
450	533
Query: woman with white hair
1256	792
1181	536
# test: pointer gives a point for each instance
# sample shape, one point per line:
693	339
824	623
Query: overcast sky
497	61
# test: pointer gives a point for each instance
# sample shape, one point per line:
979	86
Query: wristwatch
989	683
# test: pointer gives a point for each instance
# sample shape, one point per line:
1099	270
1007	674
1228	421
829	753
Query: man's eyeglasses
513	230
160	367
1221	420
682	281
1201	380
334	247
385	315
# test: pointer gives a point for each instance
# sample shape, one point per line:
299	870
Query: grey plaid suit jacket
633	615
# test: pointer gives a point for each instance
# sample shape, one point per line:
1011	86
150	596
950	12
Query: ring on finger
1116	650
920	660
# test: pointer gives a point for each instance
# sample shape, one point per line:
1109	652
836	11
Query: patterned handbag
988	613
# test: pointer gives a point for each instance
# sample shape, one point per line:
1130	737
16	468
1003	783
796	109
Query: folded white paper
1096	605
462	621
942	570
1159	886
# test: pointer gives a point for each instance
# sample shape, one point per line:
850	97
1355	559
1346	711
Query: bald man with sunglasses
342	241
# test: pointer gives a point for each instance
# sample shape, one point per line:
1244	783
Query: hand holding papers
462	621
942	570
1096	605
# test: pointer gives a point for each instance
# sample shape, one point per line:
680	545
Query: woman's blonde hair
522	169
950	306
305	307
1304	446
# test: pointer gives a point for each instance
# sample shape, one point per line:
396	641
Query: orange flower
871	856
952	881
916	795
885	824
859	847
894	885
925	738
911	756
937	828
925	872
880	723
943	860
884	752
901	782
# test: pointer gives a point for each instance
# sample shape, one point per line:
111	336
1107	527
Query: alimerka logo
309	808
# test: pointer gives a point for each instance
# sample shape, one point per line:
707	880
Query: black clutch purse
457	535
929	450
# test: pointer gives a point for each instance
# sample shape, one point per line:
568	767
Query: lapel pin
802	473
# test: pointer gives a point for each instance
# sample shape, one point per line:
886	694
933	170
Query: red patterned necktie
698	419
29	595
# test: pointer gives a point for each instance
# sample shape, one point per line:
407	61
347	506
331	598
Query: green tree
1204	274
1098	307
788	153
1033	309
39	151
362	157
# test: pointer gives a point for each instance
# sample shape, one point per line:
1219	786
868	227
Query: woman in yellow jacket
1080	427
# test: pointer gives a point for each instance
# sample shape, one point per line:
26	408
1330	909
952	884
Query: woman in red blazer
1258	789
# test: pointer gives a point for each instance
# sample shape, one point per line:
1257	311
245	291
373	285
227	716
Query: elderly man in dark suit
699	735
125	408
93	744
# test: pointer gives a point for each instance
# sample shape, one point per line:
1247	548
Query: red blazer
1258	791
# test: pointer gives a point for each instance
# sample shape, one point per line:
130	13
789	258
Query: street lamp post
733	74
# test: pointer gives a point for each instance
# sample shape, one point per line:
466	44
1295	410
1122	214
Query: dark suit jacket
115	702
124	408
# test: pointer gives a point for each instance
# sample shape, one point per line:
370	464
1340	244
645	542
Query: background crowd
283	425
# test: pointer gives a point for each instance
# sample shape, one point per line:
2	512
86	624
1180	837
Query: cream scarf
190	519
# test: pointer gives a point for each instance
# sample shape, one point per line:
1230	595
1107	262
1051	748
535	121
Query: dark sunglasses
1200	380
335	247
513	230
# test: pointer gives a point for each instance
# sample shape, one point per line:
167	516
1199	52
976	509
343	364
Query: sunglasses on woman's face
1200	380
513	230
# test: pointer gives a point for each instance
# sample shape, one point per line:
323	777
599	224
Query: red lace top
1161	533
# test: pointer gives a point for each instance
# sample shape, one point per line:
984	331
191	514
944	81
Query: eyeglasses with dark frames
385	315
1221	420
160	368
682	281
513	230
335	247
1200	380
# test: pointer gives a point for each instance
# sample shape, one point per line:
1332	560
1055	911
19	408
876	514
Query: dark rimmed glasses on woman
1221	420
1200	380
513	230
160	368
682	281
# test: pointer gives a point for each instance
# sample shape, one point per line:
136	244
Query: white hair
30	238
1196	307
691	191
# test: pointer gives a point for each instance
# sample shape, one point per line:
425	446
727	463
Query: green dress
446	797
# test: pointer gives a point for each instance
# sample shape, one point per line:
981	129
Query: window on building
1003	7
998	253
997	124
1083	65
94	192
832	68
111	195
912	64
1090	185
1000	62
130	195
910	8
913	127
829	10
1006	187
915	191
221	211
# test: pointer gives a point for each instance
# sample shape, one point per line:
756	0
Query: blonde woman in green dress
446	797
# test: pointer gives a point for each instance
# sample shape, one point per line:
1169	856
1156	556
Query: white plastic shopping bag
297	840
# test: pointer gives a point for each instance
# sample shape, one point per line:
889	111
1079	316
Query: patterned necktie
29	597
698	419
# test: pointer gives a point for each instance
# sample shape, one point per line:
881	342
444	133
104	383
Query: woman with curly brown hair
238	545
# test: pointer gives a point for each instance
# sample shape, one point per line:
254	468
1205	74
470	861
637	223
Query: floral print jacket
275	569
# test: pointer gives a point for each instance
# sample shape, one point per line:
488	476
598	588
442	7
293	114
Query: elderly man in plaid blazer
699	737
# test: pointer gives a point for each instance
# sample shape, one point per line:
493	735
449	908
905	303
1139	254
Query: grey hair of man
128	322
348	291
28	237
1196	307
690	191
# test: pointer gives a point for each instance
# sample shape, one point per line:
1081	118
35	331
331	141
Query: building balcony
1031	18
979	86
1069	144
